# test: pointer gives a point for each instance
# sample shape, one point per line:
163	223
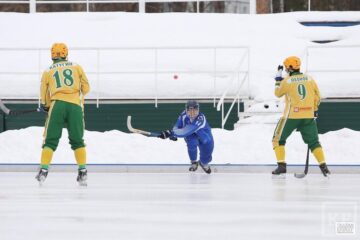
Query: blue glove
316	114
43	108
278	76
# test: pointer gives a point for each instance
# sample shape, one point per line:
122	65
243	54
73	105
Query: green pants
64	114
306	126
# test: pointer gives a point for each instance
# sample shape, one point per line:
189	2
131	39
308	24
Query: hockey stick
302	175
134	130
7	111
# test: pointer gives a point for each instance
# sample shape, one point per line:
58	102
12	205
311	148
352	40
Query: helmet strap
292	71
55	60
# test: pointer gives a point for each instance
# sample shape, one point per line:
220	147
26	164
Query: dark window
335	5
155	7
315	5
64	7
18	7
113	7
289	5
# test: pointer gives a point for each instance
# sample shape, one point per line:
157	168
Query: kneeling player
193	127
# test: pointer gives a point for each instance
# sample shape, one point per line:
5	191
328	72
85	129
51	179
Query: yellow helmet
59	50
292	62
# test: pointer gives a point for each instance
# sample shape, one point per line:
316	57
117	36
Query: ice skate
280	171
41	176
194	166
206	168
82	177
324	169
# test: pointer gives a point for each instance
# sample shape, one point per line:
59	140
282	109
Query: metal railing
119	73
236	98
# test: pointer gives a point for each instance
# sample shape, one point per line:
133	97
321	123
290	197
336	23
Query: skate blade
83	184
206	170
41	181
327	176
279	176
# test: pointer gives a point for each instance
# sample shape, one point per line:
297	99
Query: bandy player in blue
193	127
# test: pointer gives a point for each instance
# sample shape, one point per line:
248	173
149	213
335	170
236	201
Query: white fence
134	73
239	6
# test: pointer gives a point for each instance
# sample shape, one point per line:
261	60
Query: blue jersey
199	127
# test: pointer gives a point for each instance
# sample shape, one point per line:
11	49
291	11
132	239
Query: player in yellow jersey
302	99
63	87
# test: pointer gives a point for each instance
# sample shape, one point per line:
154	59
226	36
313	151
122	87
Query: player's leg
309	133
75	126
283	130
192	148
206	151
52	134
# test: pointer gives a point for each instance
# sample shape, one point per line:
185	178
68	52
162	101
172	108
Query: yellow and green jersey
65	81
302	96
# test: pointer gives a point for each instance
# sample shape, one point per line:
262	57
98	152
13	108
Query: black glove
279	73
173	138
43	108
316	114
165	134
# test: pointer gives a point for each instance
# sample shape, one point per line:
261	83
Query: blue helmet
192	104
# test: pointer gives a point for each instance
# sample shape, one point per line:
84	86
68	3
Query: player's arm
45	98
184	132
190	128
317	96
280	87
84	83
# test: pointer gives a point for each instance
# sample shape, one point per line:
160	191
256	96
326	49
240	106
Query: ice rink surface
177	206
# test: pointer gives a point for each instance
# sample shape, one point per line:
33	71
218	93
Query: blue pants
206	149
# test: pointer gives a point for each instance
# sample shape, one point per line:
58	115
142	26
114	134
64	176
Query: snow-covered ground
248	144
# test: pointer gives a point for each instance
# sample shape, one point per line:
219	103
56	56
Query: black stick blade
299	175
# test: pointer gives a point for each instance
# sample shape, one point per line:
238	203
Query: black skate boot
324	169
206	168
41	176
194	166
281	169
82	177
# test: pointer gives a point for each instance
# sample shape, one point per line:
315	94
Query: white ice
175	206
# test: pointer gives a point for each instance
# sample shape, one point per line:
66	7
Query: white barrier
132	72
